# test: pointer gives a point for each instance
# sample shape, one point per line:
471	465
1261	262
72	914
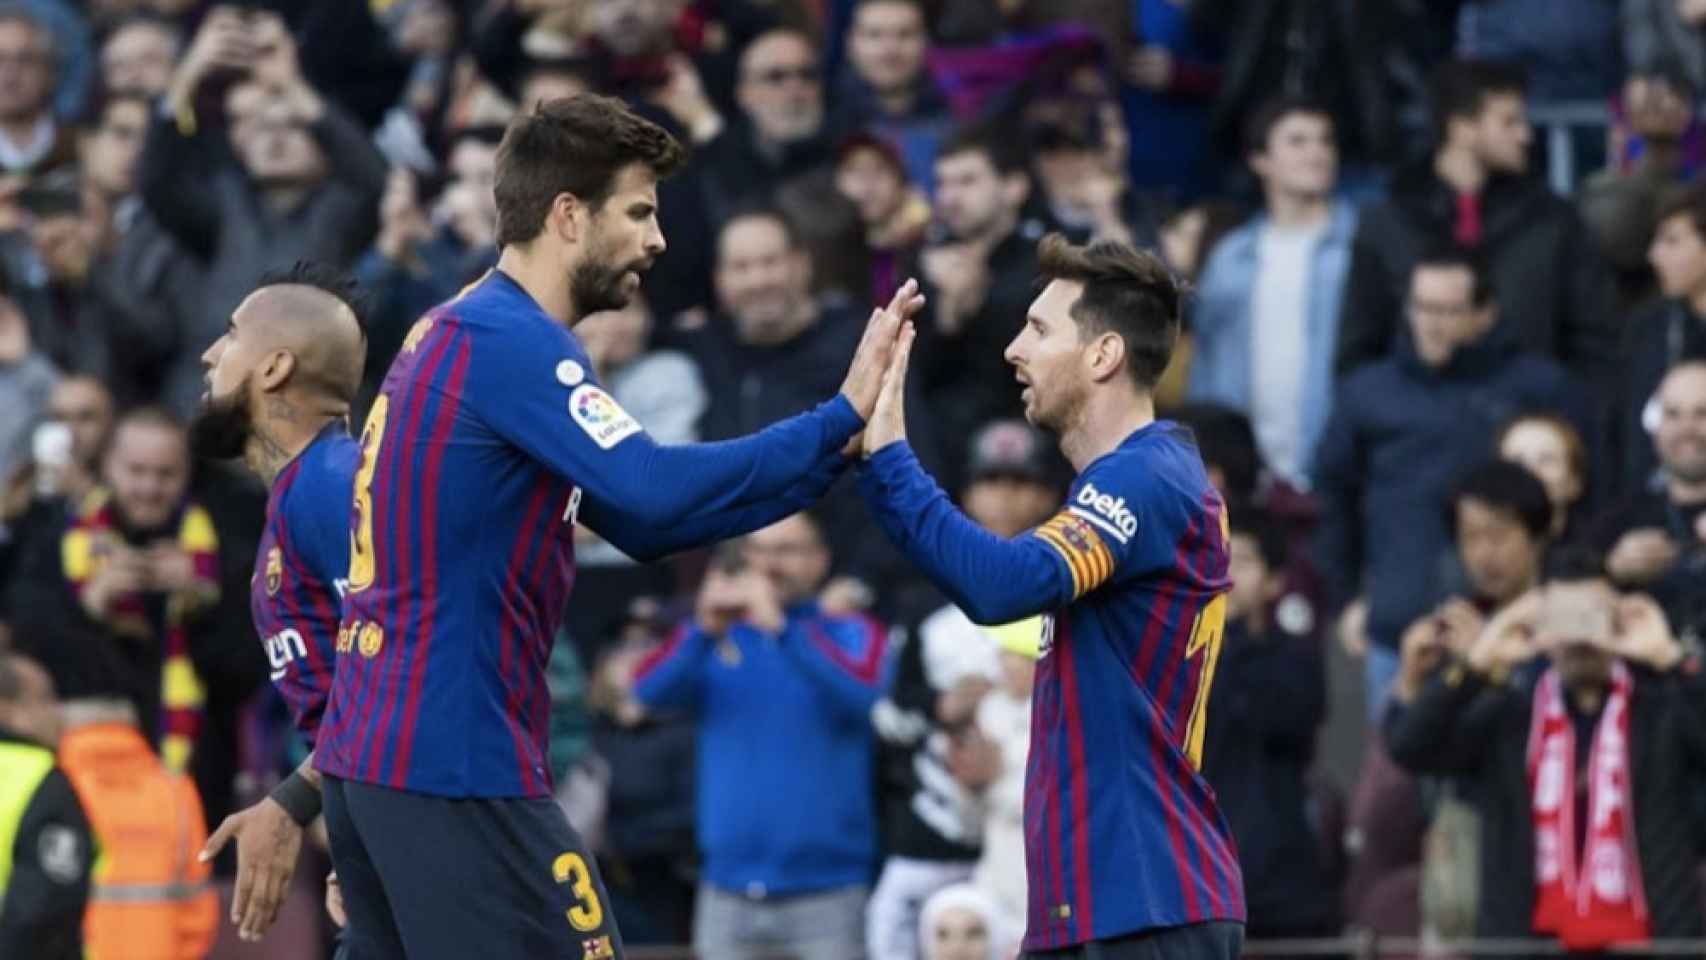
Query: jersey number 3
587	914
361	538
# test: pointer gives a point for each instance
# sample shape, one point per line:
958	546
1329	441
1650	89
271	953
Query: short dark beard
222	427
596	287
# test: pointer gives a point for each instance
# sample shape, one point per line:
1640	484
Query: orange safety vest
149	898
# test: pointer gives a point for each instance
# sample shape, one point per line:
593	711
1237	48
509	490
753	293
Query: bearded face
221	428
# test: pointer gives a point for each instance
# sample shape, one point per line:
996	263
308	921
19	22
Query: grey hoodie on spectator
197	189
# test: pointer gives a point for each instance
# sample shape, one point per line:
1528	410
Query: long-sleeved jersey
489	439
1121	832
296	592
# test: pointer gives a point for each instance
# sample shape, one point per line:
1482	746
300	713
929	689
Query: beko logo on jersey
1107	513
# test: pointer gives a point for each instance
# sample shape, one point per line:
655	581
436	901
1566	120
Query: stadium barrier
1362	946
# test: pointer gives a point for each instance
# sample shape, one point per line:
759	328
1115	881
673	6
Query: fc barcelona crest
275	571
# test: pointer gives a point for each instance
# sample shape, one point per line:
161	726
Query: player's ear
275	370
565	217
1107	355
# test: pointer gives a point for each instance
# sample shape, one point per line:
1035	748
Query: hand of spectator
268	841
959	276
1692	12
274	61
721	603
685	98
335	901
888	421
1509	639
1352	628
1150	68
222	42
974	760
1643	634
763	602
844	596
170	568
956	705
871	358
125	571
1420	651
1460	625
1641	556
402	226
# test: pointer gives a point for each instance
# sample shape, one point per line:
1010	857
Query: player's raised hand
268	841
888	421
871	359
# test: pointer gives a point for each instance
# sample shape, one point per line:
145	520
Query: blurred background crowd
1447	340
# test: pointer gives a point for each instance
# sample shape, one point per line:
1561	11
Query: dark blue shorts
430	878
1215	940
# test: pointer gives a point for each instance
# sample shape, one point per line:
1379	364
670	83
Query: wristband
298	798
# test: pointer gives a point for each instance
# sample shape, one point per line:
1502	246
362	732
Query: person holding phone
1576	718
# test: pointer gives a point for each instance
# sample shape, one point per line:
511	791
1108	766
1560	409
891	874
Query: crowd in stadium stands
1453	409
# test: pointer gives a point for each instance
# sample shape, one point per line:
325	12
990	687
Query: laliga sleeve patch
600	416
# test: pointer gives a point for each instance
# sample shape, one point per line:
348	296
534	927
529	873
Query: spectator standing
26	379
1551	448
1004	723
1655	540
1171	78
139	55
1557	296
150	897
978	284
1580	767
139	286
889	91
276	174
32	141
1269	698
424	254
1267	315
1402	432
942	674
778	133
1663	336
50	849
894	214
783	694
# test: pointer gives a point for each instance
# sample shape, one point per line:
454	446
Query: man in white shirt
1266	320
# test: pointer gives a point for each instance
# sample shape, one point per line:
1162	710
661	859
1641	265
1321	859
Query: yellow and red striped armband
1089	559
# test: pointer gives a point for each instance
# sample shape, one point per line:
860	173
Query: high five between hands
876	380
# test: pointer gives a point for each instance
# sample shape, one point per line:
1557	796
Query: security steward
45	845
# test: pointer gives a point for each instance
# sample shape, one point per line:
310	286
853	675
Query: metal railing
1358	946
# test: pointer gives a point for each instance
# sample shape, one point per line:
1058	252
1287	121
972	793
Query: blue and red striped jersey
489	439
296	592
1122	832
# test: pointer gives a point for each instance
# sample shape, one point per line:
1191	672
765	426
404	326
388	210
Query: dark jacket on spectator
733	170
1401	434
197	189
1479	732
1556	296
1326	49
147	291
652	774
1269	696
1654	341
1569	47
73	341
